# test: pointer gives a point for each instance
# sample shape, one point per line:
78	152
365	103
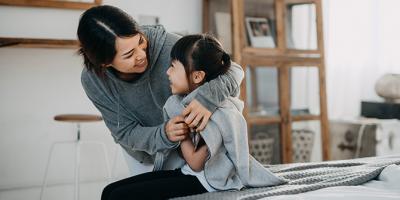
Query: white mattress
385	187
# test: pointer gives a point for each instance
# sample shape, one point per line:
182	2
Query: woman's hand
176	129
197	115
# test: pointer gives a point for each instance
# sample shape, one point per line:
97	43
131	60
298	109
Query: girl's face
177	77
131	54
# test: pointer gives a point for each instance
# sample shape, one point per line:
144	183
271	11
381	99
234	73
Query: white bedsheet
385	187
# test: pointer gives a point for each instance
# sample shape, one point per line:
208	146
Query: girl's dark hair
201	52
97	31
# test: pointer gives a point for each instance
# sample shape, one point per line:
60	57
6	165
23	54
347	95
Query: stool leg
104	149
44	183
114	167
77	167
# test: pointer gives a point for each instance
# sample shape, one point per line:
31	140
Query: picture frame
259	32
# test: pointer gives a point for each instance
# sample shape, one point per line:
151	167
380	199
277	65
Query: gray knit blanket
304	177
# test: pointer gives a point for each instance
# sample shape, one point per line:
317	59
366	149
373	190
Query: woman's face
131	54
177	78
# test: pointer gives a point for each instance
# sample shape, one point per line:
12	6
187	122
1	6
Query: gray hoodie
229	166
133	110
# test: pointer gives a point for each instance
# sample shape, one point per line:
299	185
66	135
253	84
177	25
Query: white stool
78	119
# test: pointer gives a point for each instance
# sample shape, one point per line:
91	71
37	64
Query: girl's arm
211	94
194	158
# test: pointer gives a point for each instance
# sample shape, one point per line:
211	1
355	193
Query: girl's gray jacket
229	166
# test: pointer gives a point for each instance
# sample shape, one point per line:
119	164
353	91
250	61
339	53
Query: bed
363	178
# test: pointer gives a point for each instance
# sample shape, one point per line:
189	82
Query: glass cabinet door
262	97
301	25
304	91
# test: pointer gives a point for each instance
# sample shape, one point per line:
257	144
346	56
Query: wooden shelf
51	4
255	59
296	118
251	119
38	43
263	119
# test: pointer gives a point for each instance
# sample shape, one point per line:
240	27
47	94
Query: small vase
388	87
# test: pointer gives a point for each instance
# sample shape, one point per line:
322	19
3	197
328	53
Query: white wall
361	44
36	84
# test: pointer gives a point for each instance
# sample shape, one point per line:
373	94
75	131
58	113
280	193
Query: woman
124	77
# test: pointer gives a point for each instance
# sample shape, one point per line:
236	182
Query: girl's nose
168	71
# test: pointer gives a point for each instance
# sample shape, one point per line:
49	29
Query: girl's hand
176	129
197	115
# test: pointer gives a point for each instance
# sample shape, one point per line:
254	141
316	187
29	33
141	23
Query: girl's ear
198	76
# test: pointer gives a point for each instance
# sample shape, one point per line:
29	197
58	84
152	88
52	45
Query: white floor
88	191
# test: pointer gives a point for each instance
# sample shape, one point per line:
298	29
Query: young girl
215	159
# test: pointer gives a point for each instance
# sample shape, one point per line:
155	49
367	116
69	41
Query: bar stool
78	119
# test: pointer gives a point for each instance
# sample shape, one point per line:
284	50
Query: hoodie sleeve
214	92
125	130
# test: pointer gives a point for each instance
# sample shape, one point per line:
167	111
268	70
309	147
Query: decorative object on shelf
388	87
259	32
302	144
301	27
364	137
380	110
224	30
262	148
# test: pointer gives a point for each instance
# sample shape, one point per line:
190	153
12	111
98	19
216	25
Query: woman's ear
198	76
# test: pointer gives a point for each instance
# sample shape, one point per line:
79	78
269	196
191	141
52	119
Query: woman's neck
129	77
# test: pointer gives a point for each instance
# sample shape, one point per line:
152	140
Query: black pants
153	185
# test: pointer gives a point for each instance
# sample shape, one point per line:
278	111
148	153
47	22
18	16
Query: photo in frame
259	32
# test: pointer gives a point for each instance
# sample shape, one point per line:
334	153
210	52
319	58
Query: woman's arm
195	158
211	95
127	131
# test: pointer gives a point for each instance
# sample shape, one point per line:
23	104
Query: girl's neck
193	87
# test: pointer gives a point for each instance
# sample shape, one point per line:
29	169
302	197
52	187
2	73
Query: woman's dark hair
97	31
201	52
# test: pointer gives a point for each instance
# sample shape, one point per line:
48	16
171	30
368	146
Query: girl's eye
129	56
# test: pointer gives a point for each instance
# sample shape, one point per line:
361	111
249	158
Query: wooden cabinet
279	43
